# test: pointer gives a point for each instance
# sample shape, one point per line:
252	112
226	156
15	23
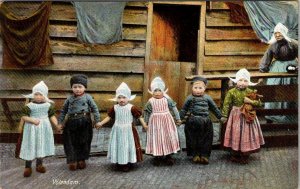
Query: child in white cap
37	138
281	56
162	136
241	137
124	147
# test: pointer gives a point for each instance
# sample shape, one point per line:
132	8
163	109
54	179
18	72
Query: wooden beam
222	19
231	63
70	31
219	48
215	5
201	41
253	75
109	64
278	93
122	48
179	2
216	34
65	12
57	81
147	53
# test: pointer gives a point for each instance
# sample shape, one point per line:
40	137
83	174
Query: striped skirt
162	136
240	135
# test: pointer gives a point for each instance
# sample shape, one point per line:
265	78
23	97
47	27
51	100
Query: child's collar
79	95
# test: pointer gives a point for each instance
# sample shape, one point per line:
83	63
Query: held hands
59	128
98	125
145	128
223	120
178	122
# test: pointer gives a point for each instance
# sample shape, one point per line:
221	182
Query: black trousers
77	139
199	136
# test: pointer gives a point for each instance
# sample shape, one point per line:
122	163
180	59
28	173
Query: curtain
265	15
99	22
25	37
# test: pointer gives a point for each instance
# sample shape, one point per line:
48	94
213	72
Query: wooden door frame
200	43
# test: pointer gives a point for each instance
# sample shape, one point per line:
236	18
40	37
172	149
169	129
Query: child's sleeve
147	111
185	107
136	112
213	107
94	108
64	111
111	113
172	106
226	104
25	111
51	111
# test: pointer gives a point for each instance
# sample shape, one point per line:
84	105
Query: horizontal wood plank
253	75
231	63
67	13
57	81
230	34
262	112
137	4
88	64
235	48
221	19
102	100
122	48
70	31
278	93
216	5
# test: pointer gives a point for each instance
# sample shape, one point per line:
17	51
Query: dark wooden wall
105	65
227	47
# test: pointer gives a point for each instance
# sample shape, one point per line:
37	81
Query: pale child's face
122	100
242	83
158	93
198	88
78	89
38	97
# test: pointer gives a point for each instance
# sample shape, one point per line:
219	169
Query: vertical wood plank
147	53
201	41
169	72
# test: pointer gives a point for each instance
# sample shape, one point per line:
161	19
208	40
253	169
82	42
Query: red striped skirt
162	136
240	135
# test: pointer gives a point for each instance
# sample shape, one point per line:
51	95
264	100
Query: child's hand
145	128
223	120
178	122
36	122
98	125
248	100
59	127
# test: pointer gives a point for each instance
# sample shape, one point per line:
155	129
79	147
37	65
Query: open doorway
175	33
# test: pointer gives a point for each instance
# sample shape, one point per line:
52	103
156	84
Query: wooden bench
275	134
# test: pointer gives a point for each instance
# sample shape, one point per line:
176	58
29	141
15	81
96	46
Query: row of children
241	136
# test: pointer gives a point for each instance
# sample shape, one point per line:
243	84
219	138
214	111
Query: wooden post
201	40
147	55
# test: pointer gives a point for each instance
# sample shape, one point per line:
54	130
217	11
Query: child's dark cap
198	78
79	79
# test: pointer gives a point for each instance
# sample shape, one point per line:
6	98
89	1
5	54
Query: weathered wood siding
105	65
229	46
